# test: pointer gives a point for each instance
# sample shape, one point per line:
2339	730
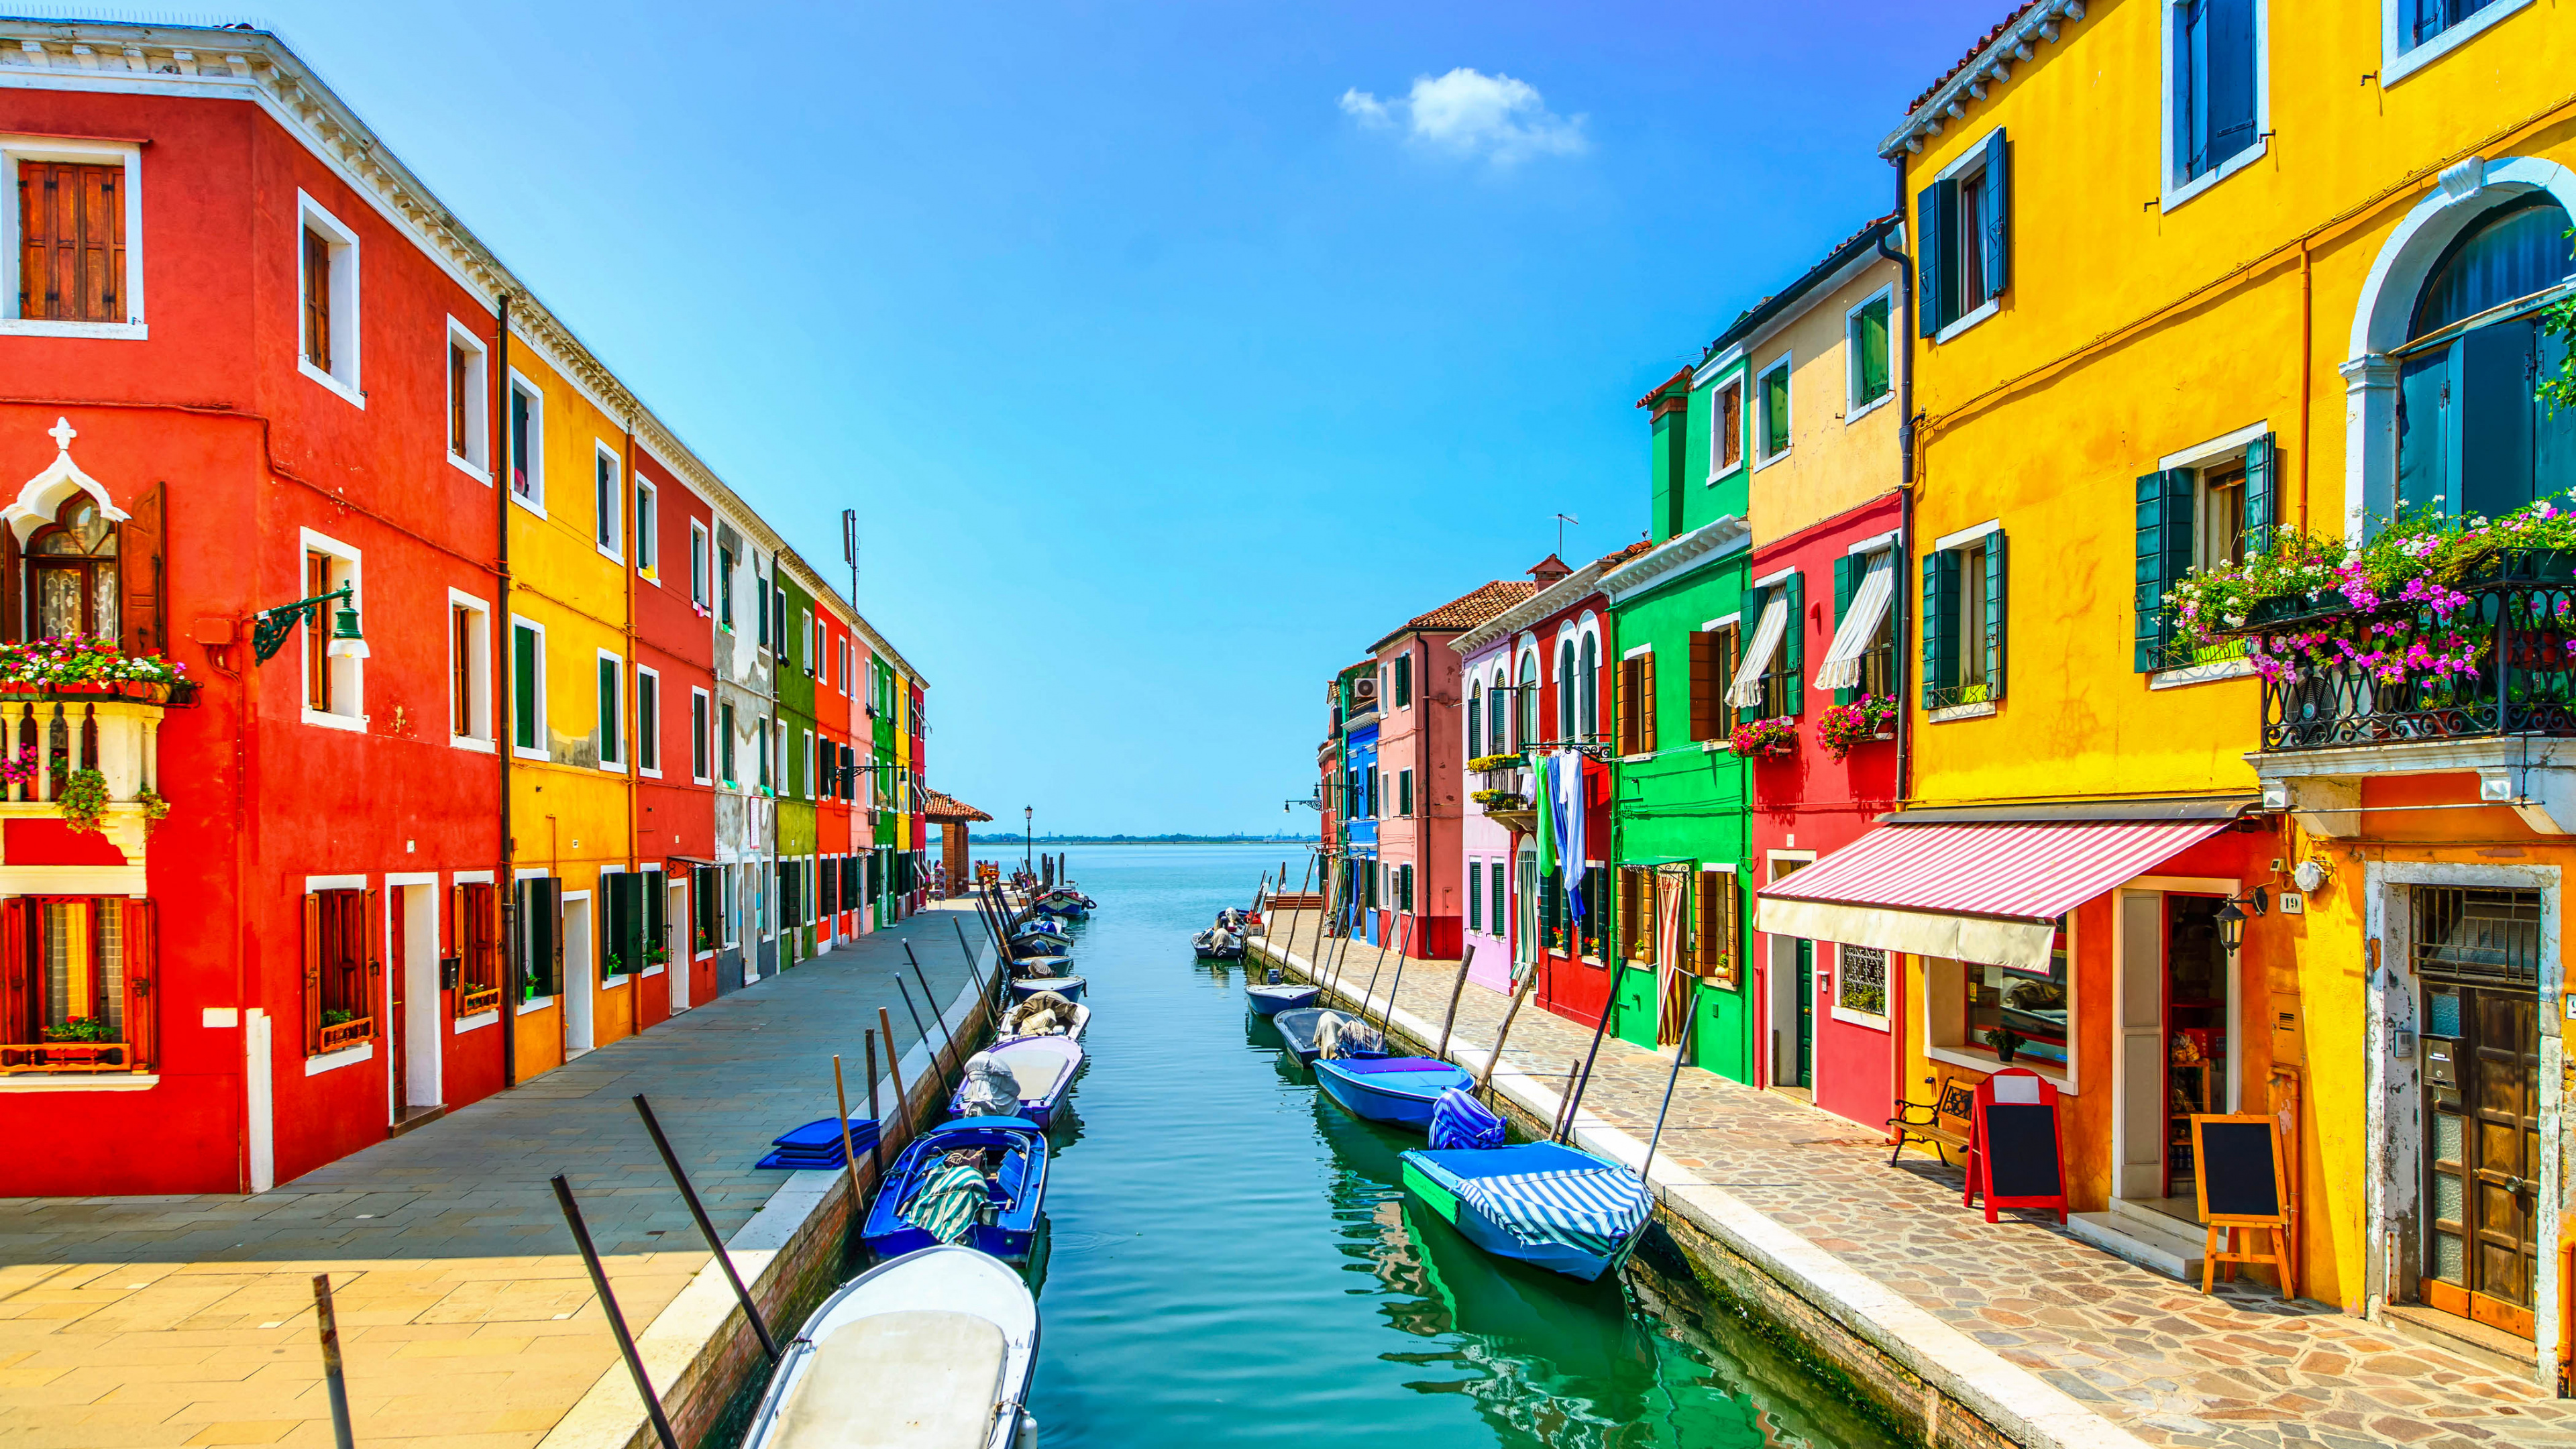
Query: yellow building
2178	287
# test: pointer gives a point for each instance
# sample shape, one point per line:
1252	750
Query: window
778	603
528	689
700	756
475	938
813	655
527	443
612	713
1495	894
1475	895
1713	653
1865	347
607	499
760	586
1587	686
648	550
1715	941
648	721
1526	722
698	564
72	572
1726	430
1475	719
2213	73
1403	680
724	742
1404	886
469	397
77	993
469	662
2418	31
2203	509
760	742
2471	437
339	1007
540	938
1963	235
1768	681
1861	663
706	909
73	218
1565	689
1963	620
1979	998
1404	792
333	684
1772	433
1860	982
724	588
1637	703
327	291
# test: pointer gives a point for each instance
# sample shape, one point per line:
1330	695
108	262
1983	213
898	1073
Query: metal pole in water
933	1002
1565	1101
1520	993
1681	1049
1600	1030
1403	938
1456	990
894	1067
329	1324
616	1320
707	1229
876	1144
938	1054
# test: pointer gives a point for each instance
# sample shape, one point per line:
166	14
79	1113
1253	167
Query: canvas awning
1841	669
1746	692
1986	892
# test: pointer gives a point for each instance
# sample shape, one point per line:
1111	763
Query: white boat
933	1350
1071	1028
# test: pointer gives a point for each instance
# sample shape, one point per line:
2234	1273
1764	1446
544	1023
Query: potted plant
83	802
1845	727
1488	763
81	1029
657	954
2005	1041
1772	738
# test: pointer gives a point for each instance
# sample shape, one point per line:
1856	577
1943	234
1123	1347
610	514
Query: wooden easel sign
2014	1157
2241	1174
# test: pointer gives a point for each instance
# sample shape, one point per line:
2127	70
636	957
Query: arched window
1593	687
2471	438
1565	690
71	563
1527	714
1475	707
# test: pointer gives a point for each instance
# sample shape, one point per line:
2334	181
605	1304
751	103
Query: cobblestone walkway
465	1313
2237	1370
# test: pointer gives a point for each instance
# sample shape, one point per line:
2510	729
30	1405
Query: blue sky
1170	354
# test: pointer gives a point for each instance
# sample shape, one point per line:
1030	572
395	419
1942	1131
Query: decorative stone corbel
2326	808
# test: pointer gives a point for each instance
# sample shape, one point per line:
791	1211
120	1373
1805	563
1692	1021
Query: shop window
1963	231
2032	1005
2472	439
76	985
72	574
341	965
475	914
1963	622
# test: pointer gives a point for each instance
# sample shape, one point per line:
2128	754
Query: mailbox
448	971
2289	1036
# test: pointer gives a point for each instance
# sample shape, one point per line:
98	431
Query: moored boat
1040	1070
1304	1031
1536	1202
1218	944
1044	1013
1389	1089
923	1202
1271	998
940	1342
1068	987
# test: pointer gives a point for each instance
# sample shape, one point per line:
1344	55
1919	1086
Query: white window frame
2176	190
702	731
613	546
616	762
14	149
1834	1001
2396	63
701	569
1717	466
343	376
477	462
1853	408
1786	363
1973	158
535	499
348	676
646	500
478	673
636	743
543	749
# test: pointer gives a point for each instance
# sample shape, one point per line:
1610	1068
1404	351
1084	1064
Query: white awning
1841	669
1746	692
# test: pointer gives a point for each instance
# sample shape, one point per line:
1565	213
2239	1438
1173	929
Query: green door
1806	1015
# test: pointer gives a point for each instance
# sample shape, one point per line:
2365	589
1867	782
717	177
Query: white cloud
1469	113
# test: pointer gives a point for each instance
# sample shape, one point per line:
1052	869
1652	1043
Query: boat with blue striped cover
1006	1225
1537	1202
1389	1089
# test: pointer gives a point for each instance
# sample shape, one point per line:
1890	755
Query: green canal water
1234	1260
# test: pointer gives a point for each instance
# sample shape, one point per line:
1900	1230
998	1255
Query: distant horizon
1167	838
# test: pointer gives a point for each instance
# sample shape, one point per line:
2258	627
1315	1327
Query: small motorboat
1068	987
1389	1089
1304	1030
1040	965
1273	997
1071	905
1218	944
1040	1069
916	1209
1538	1202
1040	943
1045	1013
940	1342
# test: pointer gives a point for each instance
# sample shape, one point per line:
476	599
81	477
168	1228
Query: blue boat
1535	1202
1071	905
1007	1227
1272	999
1390	1089
1298	1031
1041	1069
1068	987
1039	943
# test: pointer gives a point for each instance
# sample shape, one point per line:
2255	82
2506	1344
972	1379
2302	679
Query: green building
798	745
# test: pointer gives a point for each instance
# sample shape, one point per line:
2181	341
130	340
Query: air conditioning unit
1365	691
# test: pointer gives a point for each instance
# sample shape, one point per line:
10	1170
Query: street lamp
1028	838
2231	921
271	628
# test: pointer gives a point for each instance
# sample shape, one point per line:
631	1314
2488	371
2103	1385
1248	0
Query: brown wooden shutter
13	586
1617	734
312	973
372	932
317	300
1703	684
1732	906
142	978
458	374
139	564
71	257
17	985
1645	703
102	252
35	239
458	935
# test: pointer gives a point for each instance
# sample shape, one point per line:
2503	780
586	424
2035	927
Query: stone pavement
466	1316
2234	1370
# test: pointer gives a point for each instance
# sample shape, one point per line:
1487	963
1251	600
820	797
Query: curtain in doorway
1672	969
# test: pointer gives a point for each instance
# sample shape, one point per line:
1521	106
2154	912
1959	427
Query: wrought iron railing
2516	636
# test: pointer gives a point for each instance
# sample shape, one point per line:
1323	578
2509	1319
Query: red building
674	755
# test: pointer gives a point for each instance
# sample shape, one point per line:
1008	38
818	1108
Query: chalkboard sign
2014	1155
2240	1176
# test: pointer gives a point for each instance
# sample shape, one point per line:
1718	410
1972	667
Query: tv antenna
1562	520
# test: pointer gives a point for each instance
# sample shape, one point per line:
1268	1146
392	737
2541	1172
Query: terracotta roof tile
940	805
1970	58
1475	607
1610	561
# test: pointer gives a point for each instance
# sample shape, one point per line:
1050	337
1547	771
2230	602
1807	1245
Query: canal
1234	1260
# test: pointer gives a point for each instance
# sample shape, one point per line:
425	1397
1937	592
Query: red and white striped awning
1989	892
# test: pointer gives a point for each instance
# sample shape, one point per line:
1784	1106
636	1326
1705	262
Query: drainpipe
505	888
1895	985
633	709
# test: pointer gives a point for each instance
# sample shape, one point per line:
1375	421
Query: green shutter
1994	228
1792	654
523	687
1847	572
1928	318
1996	613
1935	625
2262	494
2164	554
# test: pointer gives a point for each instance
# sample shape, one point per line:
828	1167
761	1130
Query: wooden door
2477	952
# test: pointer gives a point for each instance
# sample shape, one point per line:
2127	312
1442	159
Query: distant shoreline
996	841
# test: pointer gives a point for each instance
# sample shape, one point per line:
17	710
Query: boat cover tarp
920	1378
1459	1121
947	1202
1592	1209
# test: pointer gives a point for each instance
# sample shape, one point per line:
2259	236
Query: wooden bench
1940	1123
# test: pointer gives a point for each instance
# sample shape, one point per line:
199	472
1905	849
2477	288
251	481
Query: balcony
49	738
1503	793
